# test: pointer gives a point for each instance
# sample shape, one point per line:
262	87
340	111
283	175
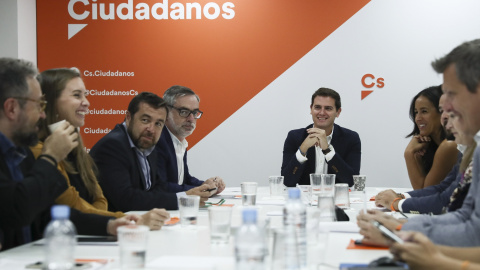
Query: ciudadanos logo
136	10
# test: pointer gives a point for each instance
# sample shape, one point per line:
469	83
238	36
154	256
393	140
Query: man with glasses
322	147
126	159
28	187
184	111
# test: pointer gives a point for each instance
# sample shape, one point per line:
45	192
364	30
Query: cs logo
369	81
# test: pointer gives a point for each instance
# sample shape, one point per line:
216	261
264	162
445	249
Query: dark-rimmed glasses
41	102
185	112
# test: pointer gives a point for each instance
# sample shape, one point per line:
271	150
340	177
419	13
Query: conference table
179	248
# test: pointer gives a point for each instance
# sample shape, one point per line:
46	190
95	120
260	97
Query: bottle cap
293	193
249	215
60	212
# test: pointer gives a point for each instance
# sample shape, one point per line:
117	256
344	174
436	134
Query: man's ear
339	111
128	117
11	108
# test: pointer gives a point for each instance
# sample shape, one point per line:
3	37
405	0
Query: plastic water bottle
60	240
295	221
250	243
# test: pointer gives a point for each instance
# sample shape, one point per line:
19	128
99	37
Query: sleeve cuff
330	155
400	203
407	196
300	157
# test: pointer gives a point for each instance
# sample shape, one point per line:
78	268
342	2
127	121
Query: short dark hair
13	78
151	99
466	58
433	94
327	92
171	94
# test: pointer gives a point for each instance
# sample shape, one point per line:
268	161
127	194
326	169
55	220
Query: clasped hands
316	137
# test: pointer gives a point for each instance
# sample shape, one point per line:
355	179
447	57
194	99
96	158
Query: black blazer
28	202
122	179
345	162
167	165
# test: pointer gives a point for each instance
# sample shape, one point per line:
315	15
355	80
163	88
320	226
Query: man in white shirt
322	147
183	105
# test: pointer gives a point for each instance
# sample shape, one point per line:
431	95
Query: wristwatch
326	151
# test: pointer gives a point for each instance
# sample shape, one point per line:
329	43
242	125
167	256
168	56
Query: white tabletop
174	247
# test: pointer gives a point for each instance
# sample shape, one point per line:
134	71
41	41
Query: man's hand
315	136
61	142
371	234
202	191
385	198
218	182
154	218
113	224
418	251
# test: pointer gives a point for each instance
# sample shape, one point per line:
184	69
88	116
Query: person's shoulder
345	131
447	146
37	149
115	135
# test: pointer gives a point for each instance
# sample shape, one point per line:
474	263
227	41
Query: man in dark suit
28	187
323	147
172	146
126	160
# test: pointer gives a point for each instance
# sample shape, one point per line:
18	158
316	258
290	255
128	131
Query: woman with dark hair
66	98
429	156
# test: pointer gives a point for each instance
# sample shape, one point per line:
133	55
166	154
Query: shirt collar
146	152
176	141
10	150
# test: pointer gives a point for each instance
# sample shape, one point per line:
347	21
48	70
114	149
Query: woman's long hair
53	82
433	94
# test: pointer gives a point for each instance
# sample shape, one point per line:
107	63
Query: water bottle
60	240
295	222
250	243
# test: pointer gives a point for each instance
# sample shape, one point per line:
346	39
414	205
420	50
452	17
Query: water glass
276	186
315	184
188	206
132	240
328	183
220	218
249	193
359	182
326	206
342	198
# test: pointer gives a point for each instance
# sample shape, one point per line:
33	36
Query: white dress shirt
321	165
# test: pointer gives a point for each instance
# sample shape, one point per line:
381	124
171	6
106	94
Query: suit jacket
122	179
459	228
345	163
27	202
167	165
434	203
440	187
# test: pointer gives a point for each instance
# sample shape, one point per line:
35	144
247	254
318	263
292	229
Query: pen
211	189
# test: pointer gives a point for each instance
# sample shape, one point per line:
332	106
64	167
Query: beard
136	141
25	139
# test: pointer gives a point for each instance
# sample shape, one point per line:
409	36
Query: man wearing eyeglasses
126	159
182	118
28	187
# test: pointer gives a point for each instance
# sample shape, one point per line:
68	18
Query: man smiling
322	147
